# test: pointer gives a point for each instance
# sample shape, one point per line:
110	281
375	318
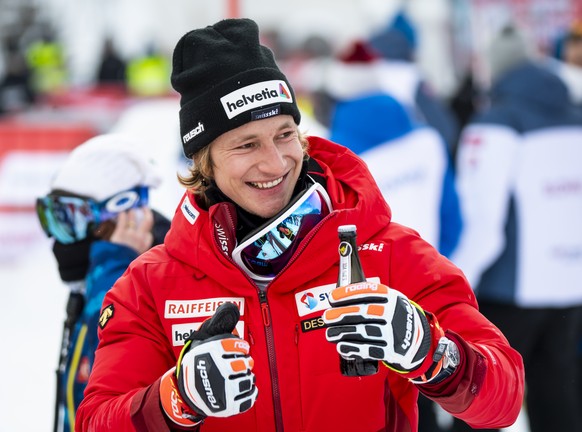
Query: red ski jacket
168	291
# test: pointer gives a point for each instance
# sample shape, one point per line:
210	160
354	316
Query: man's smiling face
257	165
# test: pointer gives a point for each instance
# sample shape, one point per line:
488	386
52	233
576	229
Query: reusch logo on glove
214	396
175	401
408	335
255	95
401	309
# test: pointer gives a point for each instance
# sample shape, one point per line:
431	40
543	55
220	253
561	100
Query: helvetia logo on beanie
254	95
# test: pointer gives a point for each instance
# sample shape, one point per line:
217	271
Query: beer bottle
350	271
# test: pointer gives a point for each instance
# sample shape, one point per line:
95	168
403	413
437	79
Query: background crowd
481	156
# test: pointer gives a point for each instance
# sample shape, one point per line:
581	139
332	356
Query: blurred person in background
303	64
228	324
568	64
573	45
148	75
16	90
98	214
568	52
520	185
112	67
46	59
465	102
396	43
408	158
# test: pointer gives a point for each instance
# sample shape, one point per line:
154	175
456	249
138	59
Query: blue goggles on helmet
70	219
265	252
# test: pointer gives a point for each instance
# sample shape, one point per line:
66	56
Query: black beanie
226	79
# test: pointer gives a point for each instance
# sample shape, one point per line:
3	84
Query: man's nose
272	159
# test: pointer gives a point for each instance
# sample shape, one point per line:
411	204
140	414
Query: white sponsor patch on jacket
317	298
181	332
176	309
188	210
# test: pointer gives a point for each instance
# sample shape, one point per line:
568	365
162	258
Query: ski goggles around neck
265	252
70	219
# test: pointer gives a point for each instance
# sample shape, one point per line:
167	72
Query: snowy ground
31	316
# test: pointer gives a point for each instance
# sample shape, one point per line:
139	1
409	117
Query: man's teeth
267	185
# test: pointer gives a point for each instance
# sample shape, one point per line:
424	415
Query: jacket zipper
269	331
299	373
270	340
266	313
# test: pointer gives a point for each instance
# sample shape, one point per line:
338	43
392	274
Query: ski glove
213	375
372	321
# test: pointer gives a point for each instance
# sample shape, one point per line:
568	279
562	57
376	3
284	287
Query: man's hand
372	321
213	376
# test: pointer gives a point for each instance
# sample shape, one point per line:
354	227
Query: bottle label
345	264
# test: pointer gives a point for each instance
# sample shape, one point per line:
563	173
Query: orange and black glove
213	375
372	321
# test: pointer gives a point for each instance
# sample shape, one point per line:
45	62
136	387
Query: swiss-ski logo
309	300
222	238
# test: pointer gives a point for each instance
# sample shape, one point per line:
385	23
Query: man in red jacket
232	325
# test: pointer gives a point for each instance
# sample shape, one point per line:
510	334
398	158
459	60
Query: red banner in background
33	145
27	157
30	154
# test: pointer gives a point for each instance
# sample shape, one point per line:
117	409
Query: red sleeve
456	393
487	389
147	414
479	389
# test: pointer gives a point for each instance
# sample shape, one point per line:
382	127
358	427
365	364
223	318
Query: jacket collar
202	238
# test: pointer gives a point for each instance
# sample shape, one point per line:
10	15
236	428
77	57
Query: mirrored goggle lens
67	219
267	252
64	218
